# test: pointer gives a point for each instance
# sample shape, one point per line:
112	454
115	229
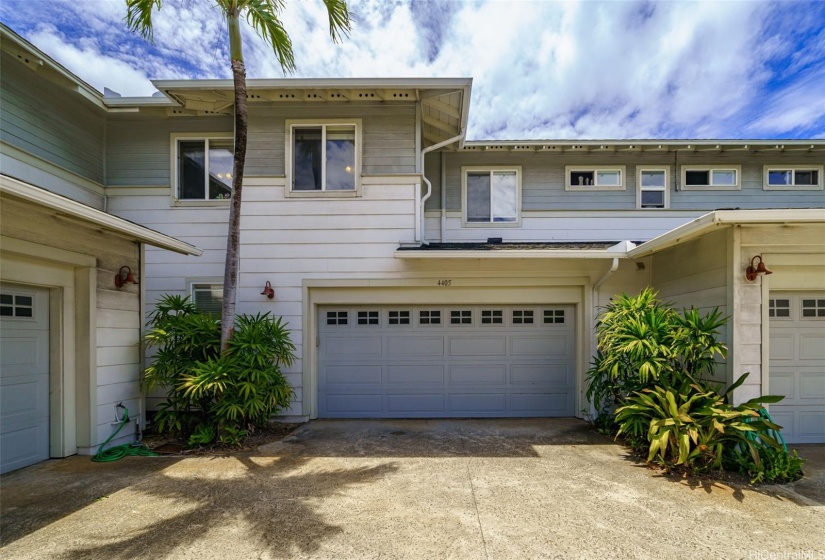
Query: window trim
710	168
465	170
175	138
622	169
639	189
290	125
191	283
794	168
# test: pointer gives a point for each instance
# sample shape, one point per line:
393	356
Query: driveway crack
472	489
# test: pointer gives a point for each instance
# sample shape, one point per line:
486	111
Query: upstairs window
491	195
594	178
793	178
652	187
323	158
711	177
203	168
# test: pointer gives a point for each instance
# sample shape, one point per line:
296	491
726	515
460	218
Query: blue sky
541	69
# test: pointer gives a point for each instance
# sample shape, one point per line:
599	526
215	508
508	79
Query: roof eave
528	254
15	188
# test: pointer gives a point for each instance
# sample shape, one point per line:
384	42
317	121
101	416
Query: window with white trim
208	298
323	157
792	178
203	167
594	178
491	195
711	177
17	305
652	187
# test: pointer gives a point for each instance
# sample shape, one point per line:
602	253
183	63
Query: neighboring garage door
797	364
24	376
440	361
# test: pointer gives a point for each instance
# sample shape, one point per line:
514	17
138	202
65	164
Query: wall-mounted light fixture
753	271
124	276
269	291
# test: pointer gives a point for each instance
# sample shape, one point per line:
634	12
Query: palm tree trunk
230	277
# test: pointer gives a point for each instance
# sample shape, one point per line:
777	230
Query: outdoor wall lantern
753	271
269	291
124	276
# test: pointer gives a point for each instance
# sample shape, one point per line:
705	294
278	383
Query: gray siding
388	131
138	149
49	122
543	179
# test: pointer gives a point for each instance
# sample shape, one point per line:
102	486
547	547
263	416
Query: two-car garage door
446	361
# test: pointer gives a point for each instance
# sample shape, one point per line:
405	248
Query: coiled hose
118	452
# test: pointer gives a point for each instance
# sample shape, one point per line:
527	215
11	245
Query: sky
540	69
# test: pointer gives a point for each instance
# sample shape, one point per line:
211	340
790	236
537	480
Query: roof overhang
515	251
727	218
14	188
608	146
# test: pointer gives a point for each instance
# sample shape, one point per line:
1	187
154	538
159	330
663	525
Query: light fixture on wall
269	291
753	271
124	276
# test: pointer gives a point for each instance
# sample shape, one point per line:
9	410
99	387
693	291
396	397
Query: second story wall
50	135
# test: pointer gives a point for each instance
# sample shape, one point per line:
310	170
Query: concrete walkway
469	489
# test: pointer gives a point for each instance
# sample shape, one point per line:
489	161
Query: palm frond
139	16
339	22
263	16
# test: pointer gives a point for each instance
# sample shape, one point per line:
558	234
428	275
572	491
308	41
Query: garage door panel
426	374
478	403
550	345
783	383
782	346
552	375
478	375
812	346
549	404
415	403
415	346
478	346
811	385
443	369
797	366
350	404
353	346
24	377
356	374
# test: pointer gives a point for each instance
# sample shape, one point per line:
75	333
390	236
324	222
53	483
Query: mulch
168	445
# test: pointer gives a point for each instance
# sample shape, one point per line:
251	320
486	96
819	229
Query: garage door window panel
555	316
429	317
523	317
15	305
779	308
337	318
461	317
813	308
399	318
368	318
492	317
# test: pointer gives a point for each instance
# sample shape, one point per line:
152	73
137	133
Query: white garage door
797	364
440	361
24	376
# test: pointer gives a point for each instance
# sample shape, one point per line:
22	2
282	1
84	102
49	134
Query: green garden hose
118	452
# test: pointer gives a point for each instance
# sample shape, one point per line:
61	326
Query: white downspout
594	303
425	151
443	197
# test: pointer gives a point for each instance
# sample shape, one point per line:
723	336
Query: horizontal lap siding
543	179
118	320
48	122
695	274
388	133
138	150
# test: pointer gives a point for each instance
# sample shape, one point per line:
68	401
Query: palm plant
264	16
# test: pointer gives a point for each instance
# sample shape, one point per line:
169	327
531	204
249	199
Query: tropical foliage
211	394
265	17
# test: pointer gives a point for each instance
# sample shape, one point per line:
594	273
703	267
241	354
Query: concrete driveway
469	489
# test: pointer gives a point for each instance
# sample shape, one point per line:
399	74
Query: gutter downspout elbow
429	193
608	274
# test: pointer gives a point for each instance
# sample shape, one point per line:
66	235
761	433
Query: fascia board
20	190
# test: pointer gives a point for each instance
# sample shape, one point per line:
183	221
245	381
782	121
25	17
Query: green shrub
776	465
695	426
643	342
212	395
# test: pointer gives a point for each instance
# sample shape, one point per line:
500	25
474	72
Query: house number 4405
445	282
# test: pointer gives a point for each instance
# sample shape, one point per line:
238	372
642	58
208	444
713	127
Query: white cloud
540	69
